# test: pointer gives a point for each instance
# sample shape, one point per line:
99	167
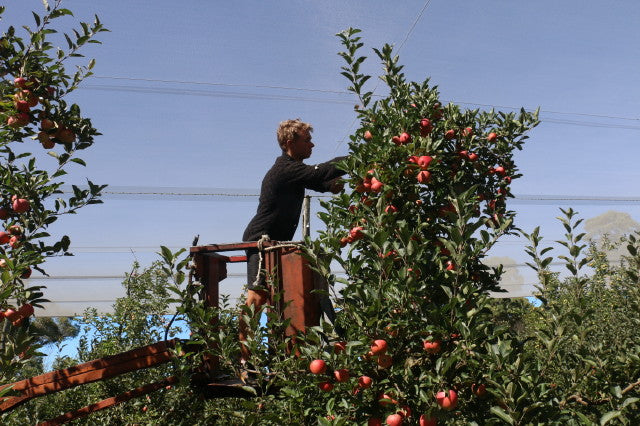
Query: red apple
23	118
65	135
405	138
451	266
365	382
468	131
26	274
22	106
20	82
424	161
44	137
18	120
341	375
472	156
396	140
11	314
491	137
425	127
14	242
47	124
390	209
32	100
384	361
326	386
394	420
5	237
48	143
447	400
432	347
356	233
368	136
318	366
25	96
405	411
339	347
426	420
424	176
366	201
21	205
386	400
376	185
26	310
499	170
450	134
379	347
15	229
479	390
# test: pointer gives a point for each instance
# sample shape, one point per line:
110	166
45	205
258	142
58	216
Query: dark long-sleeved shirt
282	194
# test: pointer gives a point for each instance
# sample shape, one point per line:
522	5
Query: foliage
33	111
429	189
583	335
416	337
139	318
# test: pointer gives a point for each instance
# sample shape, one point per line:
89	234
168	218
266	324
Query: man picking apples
280	204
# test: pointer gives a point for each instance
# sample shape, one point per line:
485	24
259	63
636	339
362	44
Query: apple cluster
367	381
29	93
17	316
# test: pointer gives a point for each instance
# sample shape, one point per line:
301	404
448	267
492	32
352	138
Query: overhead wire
262	96
220	192
338	92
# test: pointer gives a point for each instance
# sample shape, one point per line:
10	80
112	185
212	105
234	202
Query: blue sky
188	96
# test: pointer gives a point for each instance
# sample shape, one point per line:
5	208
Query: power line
205	83
584	114
378	81
220	192
144	89
415	22
212	94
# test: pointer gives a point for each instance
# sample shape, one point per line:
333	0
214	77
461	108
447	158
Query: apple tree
429	190
413	340
41	135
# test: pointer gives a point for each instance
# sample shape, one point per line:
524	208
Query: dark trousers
253	260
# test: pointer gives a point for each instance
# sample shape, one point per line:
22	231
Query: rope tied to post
262	249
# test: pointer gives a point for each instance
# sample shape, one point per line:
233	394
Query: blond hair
289	129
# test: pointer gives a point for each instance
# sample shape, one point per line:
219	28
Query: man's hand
336	186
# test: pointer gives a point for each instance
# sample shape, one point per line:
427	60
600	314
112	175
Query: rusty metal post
306	216
297	280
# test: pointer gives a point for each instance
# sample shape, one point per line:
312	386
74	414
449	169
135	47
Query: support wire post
306	216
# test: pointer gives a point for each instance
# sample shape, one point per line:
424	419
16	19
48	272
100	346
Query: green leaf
502	414
609	416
